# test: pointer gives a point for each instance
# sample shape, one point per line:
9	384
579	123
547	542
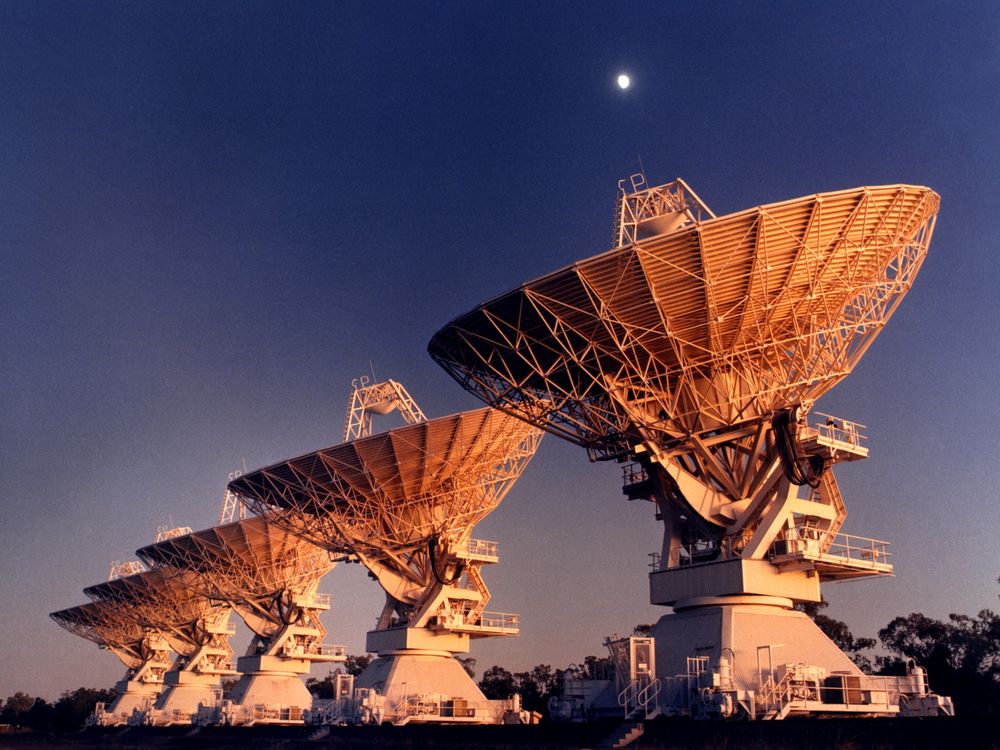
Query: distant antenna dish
405	502
270	578
114	625
103	625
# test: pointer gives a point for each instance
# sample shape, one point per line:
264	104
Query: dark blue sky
214	216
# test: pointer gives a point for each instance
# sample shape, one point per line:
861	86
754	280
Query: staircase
625	734
643	698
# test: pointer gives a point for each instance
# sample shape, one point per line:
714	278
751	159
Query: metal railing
263	712
640	694
804	541
499	621
481	548
693	553
840	430
633	474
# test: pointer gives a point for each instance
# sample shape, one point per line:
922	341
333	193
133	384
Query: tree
39	716
497	683
322	688
595	668
537	686
73	707
15	709
961	656
228	684
357	663
354	664
468	664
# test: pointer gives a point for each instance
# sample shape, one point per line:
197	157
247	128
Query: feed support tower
692	353
143	651
196	628
405	502
270	578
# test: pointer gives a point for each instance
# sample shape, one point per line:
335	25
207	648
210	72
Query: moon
624	81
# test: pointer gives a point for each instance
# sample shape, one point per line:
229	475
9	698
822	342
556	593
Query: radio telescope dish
143	651
405	502
270	578
713	325
102	625
194	627
696	349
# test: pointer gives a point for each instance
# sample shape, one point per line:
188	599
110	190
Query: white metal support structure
115	624
694	352
196	628
405	502
270	578
378	398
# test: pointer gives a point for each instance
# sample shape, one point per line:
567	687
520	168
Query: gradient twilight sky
214	216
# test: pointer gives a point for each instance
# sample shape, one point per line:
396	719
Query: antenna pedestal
761	657
133	695
270	691
416	679
194	681
138	690
183	694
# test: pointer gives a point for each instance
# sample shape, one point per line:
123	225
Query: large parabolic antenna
142	650
696	349
195	627
270	578
405	502
101	624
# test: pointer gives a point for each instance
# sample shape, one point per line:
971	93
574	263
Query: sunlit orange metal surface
105	625
718	323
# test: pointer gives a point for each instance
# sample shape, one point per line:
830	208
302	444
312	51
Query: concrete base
424	686
132	696
183	694
270	687
271	691
740	629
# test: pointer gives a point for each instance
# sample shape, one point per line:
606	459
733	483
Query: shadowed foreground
660	735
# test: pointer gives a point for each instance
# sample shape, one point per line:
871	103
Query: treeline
67	714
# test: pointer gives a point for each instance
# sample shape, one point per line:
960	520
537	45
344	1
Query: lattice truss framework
167	602
267	575
642	212
679	349
712	326
104	625
403	501
377	398
114	626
